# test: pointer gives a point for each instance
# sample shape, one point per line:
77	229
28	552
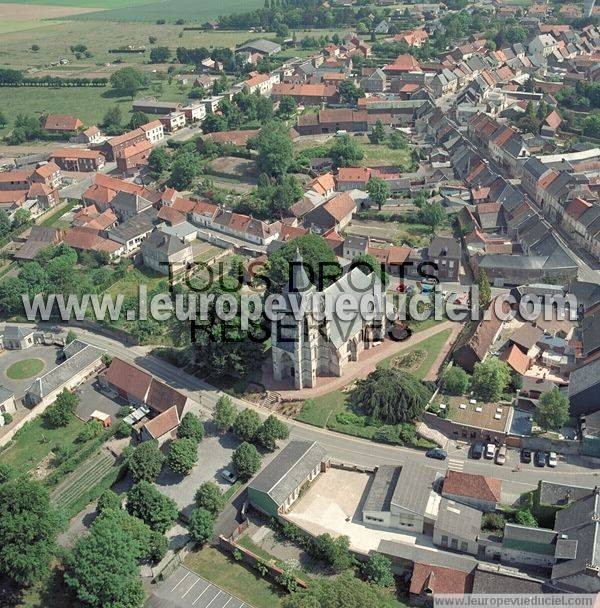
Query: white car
228	476
552	459
490	450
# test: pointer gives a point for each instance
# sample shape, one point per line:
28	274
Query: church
305	346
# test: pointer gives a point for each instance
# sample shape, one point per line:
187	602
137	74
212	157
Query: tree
29	525
201	525
160	54
224	414
390	396
367	264
137	120
345	152
349	93
525	517
275	149
153	508
432	214
3	119
345	590
378	570
317	257
552	410
191	427
62	411
71	335
128	81
287	106
271	430
159	161
246	425
102	569
378	190
146	462
485	290
378	132
335	551
6	472
490	379
183	455
397	141
209	497
20	218
108	500
456	380
112	119
246	460
183	171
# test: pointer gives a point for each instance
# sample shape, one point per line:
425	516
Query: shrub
456	380
7	417
108	500
91	430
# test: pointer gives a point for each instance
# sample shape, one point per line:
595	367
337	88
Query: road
572	469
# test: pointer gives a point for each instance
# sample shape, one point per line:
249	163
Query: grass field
34	442
128	285
25	369
100	4
172	10
234	578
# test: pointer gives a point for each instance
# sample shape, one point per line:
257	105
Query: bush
122	429
158	546
525	517
153	508
62	411
91	430
378	570
493	522
7	417
108	500
350	418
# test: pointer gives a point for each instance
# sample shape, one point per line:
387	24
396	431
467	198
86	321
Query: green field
25	369
100	4
172	10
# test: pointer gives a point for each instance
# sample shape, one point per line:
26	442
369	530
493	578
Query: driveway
91	398
214	455
48	354
184	589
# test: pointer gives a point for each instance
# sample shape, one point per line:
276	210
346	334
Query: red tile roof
553	120
353	174
436	579
340	206
577	207
403	63
75	153
47	170
517	359
62	122
171	216
129	378
161	397
164	423
472	486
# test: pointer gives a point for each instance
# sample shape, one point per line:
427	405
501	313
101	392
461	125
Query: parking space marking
203	592
191	587
181	581
214	598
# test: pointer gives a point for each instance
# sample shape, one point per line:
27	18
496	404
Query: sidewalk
367	363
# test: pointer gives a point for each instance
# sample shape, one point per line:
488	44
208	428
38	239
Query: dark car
437	453
477	450
525	455
540	459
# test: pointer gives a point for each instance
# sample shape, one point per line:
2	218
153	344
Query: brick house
73	159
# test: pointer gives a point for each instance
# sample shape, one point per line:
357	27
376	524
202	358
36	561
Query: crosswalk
456	465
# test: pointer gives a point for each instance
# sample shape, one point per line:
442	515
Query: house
39	238
166	253
477	491
306	94
261	83
402	497
17	338
85	238
127	205
141	388
526	546
154	131
475	346
194	112
584	389
493	579
131	158
47	174
332	121
162	427
82	360
7	401
62	123
427	581
115	145
355	245
173	121
402	65
457	527
446	253
262	46
75	159
335	213
91	135
151	106
543	45
275	489
376	82
134	230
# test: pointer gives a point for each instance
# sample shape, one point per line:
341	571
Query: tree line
16	78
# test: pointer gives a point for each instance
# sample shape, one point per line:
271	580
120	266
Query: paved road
571	469
185	589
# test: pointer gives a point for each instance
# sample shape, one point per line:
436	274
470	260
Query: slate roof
552	493
445	246
526	336
458	520
590	332
165	243
15	332
584	377
414	487
288	469
134	226
382	488
5	394
489	579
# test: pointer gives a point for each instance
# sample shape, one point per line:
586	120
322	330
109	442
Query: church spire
299	280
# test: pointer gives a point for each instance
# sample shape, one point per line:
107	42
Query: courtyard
19	368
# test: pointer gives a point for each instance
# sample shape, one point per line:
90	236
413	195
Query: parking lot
185	589
92	398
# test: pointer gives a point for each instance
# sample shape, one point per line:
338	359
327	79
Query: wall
562	446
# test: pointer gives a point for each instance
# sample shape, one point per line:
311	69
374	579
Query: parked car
490	450
477	450
526	455
552	459
539	458
437	453
229	476
501	455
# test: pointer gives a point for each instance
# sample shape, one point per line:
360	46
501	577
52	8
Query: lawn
53	218
35	441
25	369
233	577
381	154
432	346
128	285
105	4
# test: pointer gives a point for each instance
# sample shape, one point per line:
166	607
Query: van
490	450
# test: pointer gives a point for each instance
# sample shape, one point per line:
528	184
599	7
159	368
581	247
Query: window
454	543
371	518
464	546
